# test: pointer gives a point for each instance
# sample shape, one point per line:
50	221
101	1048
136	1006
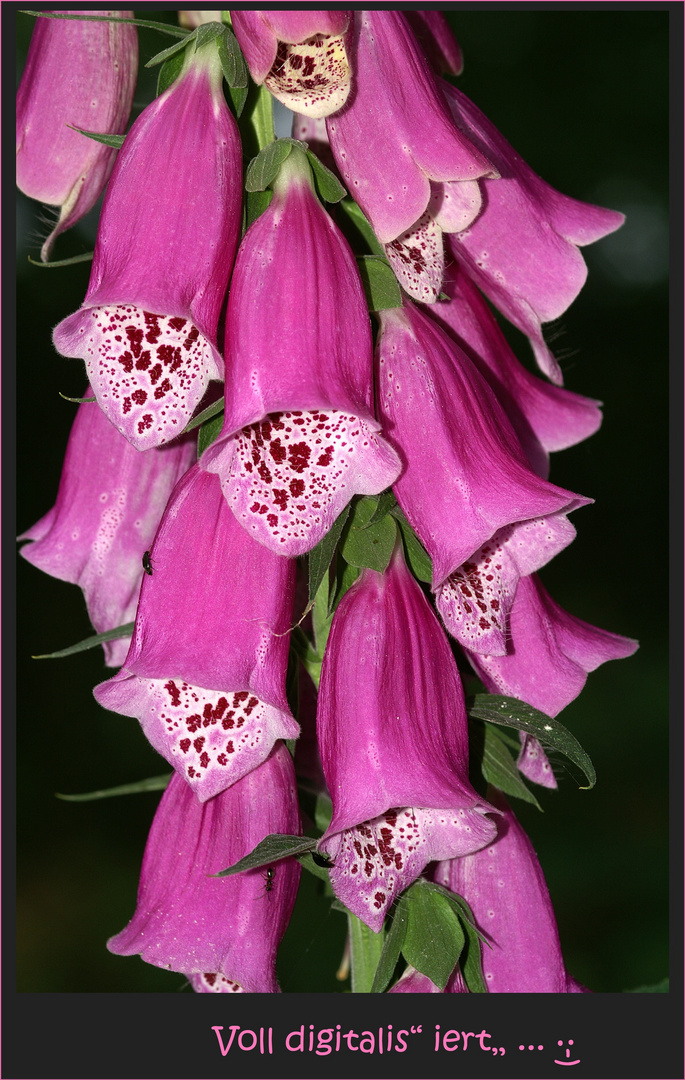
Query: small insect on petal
147	563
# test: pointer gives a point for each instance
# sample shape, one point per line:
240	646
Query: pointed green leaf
363	225
271	849
328	186
497	764
380	284
321	555
169	72
416	555
263	169
470	960
232	61
77	400
209	31
206	414
366	545
210	430
166	54
365	952
434	938
345	577
89	643
151	783
386	501
86	257
256	203
116	141
510	712
392	947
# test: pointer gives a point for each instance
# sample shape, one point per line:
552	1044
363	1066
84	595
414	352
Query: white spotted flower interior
300	56
166	242
299	437
205	673
391	726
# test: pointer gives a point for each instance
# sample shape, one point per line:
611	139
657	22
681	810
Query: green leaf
321	617
86	257
269	850
434	938
365	952
206	414
386	501
416	555
169	72
497	764
233	62
209	31
307	863
256	203
656	988
380	284
152	783
210	430
345	578
264	168
164	28
89	643
323	812
510	712
77	400
321	555
363	225
366	545
116	141
328	186
306	653
470	960
392	947
166	54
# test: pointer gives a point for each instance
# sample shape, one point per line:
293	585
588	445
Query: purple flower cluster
315	414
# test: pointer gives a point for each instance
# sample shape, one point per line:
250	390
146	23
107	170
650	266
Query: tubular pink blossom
223	933
522	250
465	476
549	652
109	504
300	56
166	243
78	74
205	674
437	41
391	726
299	437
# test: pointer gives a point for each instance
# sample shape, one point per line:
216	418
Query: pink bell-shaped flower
466	488
437	40
109	504
223	933
205	674
300	56
299	437
165	247
549	652
522	250
391	726
78	74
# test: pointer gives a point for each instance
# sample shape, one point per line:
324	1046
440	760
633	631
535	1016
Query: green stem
365	952
262	118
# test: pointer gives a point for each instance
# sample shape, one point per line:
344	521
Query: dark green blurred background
582	95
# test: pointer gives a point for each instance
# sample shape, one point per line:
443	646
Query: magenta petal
465	474
298	383
533	762
522	250
389	145
437	40
392	734
166	242
549	653
93	91
105	518
506	891
205	673
218	931
413	982
545	417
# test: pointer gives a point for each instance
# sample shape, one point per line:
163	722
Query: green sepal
366	545
380	284
269	850
256	203
416	555
321	555
169	72
151	783
77	400
366	948
86	257
209	431
164	28
177	47
232	62
206	414
386	502
435	938
362	225
328	187
89	643
498	766
392	947
264	168
510	712
345	577
210	31
117	141
470	959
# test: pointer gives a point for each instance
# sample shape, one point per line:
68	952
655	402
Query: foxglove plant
165	247
77	75
105	518
429	463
